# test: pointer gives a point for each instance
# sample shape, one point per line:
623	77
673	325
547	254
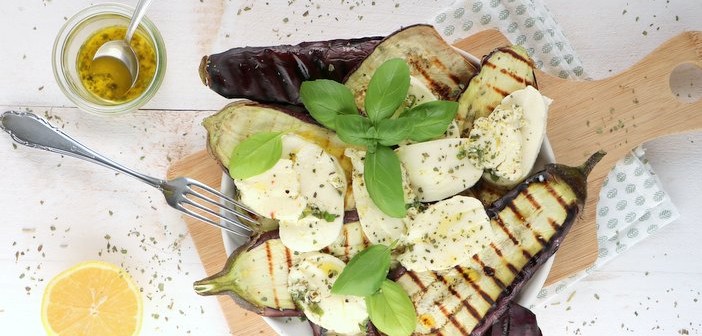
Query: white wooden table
59	211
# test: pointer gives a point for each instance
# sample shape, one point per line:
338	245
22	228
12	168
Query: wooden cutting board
615	114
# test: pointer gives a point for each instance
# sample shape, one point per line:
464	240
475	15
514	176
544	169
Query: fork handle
32	131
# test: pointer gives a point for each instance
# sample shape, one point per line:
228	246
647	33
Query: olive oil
107	78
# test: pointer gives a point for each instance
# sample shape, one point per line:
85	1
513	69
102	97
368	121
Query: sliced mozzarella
322	186
496	142
304	191
274	193
309	284
438	169
446	234
378	227
532	130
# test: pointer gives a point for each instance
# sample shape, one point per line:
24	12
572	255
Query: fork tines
199	200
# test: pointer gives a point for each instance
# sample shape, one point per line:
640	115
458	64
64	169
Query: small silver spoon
121	49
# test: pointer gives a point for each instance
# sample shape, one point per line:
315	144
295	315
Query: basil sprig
431	119
383	175
389	307
391	310
315	95
256	154
387	89
332	105
364	273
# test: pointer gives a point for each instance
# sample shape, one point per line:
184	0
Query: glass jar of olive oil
103	87
106	77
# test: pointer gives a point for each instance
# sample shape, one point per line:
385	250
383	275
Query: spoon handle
139	12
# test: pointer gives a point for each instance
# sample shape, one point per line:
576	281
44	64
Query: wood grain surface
615	114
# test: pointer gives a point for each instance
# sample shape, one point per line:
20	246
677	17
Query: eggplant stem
587	167
203	288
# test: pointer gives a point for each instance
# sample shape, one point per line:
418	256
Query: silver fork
184	194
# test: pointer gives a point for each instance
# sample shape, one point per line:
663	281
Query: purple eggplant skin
319	331
516	321
274	73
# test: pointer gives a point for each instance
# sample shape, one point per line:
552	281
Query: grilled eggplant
256	274
487	193
503	71
274	74
237	121
529	224
435	67
241	277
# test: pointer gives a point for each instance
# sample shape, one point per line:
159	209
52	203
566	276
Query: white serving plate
286	326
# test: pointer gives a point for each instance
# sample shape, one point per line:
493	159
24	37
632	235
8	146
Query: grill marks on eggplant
444	89
351	241
503	71
431	60
510	267
467	278
525	224
517	78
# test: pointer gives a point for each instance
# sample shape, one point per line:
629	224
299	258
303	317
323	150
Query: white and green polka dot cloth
632	202
526	23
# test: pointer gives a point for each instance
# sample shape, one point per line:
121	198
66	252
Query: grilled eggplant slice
237	121
486	192
274	74
434	64
350	241
256	274
503	71
529	224
243	277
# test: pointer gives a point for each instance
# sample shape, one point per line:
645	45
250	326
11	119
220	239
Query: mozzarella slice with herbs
275	193
496	142
446	234
323	188
533	108
309	284
378	226
304	191
438	169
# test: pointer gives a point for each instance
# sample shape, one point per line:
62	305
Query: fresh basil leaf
393	131
431	119
256	154
355	129
387	89
364	273
391	310
383	177
325	99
